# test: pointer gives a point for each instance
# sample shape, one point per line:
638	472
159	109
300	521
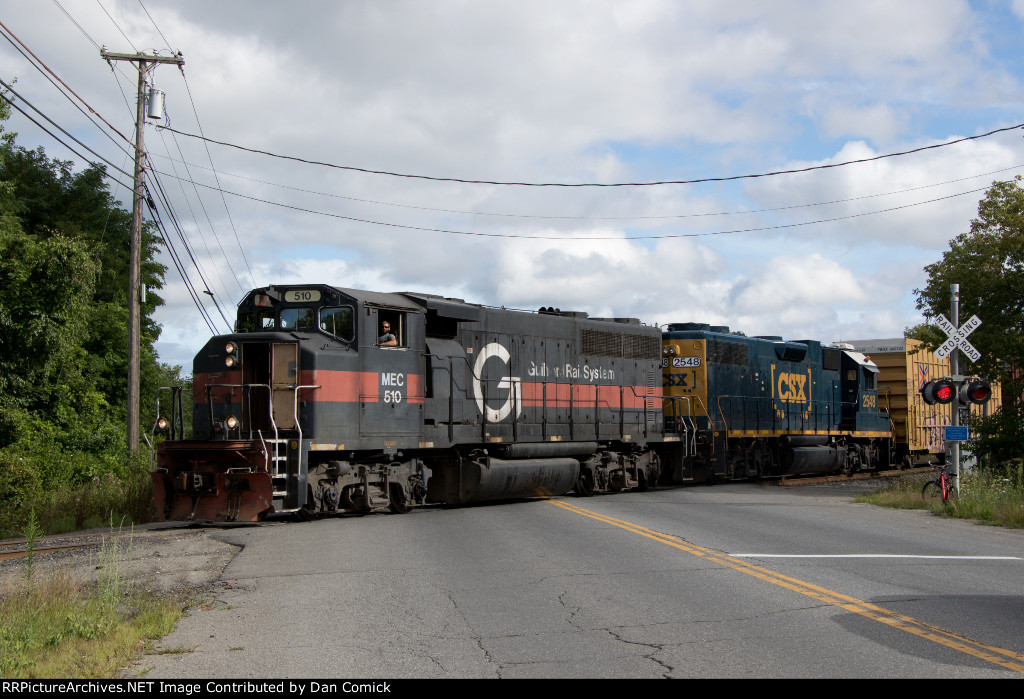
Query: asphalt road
725	581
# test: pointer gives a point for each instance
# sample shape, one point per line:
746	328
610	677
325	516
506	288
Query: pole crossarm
143	57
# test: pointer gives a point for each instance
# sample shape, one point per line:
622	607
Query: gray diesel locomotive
328	399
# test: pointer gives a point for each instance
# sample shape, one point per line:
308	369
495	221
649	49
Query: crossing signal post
965	390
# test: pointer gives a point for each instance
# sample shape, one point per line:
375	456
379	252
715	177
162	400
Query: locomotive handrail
247	396
298	424
177	425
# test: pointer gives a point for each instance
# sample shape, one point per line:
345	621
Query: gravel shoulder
161	558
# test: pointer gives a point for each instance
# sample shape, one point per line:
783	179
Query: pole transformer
146	62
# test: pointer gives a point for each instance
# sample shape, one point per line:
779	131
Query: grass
64	508
60	628
993	497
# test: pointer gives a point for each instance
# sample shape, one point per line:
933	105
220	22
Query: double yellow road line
1000	656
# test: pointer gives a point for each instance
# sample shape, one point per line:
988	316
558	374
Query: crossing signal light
941	391
975	391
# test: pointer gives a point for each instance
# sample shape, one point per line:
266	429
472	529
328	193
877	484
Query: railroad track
844	478
12	549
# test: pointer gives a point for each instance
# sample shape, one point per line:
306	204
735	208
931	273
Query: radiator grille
601	343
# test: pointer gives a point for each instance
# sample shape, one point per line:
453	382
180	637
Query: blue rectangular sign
956	434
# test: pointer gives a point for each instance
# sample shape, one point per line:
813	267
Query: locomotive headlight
162	424
231	422
232	359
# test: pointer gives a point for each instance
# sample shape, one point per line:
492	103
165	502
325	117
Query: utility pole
146	62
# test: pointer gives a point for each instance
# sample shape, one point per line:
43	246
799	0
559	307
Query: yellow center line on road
1000	656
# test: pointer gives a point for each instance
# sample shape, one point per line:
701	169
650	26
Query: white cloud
567	92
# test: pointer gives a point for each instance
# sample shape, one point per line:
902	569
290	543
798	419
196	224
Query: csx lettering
792	388
675	380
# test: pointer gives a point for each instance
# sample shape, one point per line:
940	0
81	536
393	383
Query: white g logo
508	383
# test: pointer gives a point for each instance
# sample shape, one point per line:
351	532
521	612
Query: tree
988	264
63	315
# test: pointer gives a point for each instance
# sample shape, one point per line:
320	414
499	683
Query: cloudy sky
551	92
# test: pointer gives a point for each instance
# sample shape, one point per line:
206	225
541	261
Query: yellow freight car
917	428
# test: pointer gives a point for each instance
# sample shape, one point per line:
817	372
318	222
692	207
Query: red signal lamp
975	391
941	391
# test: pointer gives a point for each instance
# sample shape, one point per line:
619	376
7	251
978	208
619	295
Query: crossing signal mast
965	390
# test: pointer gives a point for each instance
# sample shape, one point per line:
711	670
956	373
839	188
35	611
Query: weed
991	497
54	627
31	532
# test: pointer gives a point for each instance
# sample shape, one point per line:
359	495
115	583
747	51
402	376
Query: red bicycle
940	487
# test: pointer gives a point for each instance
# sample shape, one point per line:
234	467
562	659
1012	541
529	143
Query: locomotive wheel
584	486
397	502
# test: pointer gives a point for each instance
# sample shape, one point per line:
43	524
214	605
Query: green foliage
56	628
121	491
31	532
930	335
994	496
64	268
988	264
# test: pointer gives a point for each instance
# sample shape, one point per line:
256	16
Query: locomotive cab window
870	379
261	319
338	322
297	319
390	329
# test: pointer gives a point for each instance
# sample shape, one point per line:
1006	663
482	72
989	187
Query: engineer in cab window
386	339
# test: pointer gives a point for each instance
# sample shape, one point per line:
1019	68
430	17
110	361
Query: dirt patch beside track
162	560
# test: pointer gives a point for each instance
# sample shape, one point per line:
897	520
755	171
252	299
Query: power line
202	205
63	93
181	235
79	26
117	26
66	86
209	156
231	220
62	142
586	218
598	237
596	184
155	25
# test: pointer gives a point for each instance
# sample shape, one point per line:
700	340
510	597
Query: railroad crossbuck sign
957	338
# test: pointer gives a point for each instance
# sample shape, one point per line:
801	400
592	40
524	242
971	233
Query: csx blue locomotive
328	400
765	407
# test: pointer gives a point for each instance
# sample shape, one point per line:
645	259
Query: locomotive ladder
277	462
